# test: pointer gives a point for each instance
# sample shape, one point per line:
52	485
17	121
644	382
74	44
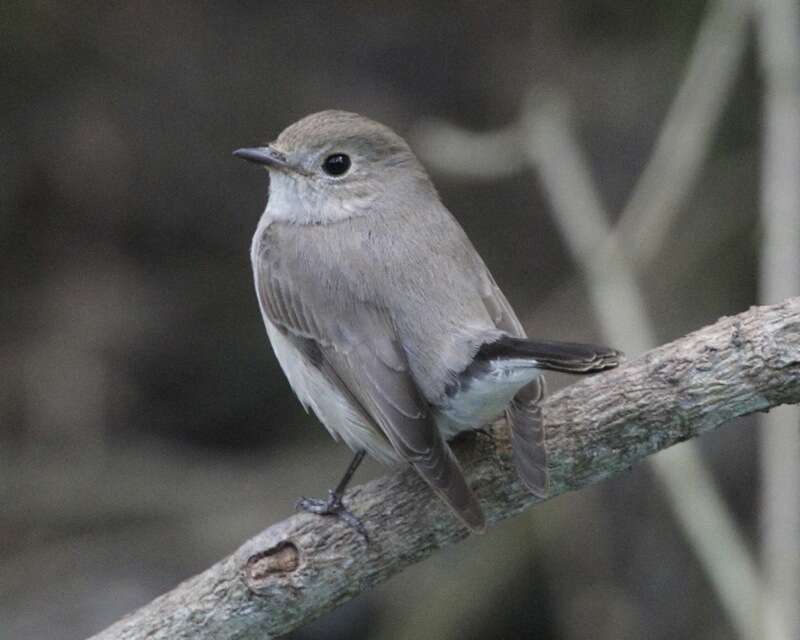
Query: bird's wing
357	349
499	309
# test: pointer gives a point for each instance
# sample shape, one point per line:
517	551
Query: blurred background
145	427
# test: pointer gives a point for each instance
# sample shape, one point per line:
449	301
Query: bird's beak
267	156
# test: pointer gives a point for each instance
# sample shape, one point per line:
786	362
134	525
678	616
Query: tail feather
568	357
528	443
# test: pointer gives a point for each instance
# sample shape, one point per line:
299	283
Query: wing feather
361	355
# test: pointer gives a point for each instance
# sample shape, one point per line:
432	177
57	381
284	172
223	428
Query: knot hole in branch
283	558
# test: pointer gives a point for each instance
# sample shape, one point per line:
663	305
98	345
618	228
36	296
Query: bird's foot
333	506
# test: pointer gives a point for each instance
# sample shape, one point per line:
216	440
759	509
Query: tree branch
306	565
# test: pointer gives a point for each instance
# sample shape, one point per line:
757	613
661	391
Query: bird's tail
528	437
568	357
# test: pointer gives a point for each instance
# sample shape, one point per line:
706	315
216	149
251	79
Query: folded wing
354	345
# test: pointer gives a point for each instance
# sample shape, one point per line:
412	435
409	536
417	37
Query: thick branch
304	566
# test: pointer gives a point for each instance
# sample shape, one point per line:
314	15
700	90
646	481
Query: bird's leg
334	506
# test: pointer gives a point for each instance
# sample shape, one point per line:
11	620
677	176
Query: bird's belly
331	406
481	400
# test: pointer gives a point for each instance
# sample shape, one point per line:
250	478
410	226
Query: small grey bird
383	316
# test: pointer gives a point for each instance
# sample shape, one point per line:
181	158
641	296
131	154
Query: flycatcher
385	319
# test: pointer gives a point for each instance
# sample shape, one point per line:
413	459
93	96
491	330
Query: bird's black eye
336	164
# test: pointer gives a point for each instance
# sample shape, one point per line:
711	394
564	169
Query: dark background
145	427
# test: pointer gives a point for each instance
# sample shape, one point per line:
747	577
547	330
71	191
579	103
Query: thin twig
688	131
477	156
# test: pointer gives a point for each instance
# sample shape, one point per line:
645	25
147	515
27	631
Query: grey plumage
383	316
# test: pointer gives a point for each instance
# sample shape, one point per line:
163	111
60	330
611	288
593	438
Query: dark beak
266	156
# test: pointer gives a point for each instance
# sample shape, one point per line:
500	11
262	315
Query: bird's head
334	165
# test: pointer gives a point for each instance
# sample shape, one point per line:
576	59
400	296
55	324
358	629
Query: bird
384	318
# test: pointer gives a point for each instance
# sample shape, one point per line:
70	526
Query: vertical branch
704	518
779	52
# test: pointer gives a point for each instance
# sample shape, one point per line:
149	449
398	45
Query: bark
299	568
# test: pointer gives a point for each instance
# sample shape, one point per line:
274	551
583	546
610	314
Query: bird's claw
333	506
